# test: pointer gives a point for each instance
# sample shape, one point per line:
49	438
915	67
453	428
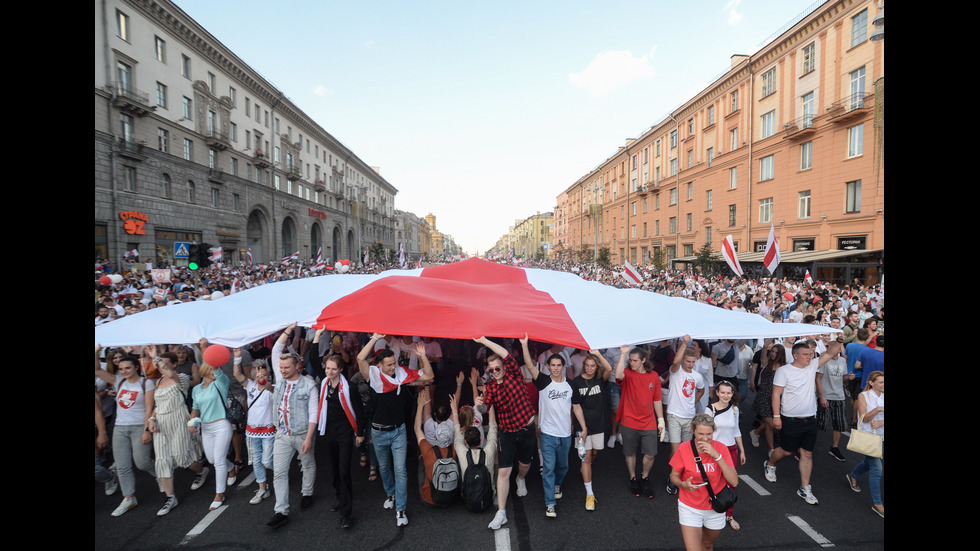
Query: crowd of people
485	408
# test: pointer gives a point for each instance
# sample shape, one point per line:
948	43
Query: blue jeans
554	458
872	464
262	449
393	444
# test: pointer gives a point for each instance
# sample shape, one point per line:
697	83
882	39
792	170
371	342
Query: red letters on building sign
133	222
318	213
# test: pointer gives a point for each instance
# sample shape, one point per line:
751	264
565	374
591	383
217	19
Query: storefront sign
852	243
318	214
133	222
803	244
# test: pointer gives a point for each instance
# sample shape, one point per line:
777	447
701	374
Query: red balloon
216	355
105	280
345	262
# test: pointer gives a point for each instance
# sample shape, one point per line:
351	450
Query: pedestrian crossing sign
181	249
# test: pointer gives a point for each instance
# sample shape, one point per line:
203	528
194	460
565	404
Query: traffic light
193	256
204	255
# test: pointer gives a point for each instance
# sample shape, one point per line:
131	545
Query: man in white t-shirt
794	406
686	386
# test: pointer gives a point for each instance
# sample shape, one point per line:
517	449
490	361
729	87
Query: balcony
319	185
294	171
131	100
800	128
216	175
215	139
131	149
851	107
261	160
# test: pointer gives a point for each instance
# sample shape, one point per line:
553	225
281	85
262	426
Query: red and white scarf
382	383
321	413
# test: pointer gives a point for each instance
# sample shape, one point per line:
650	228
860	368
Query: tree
660	258
377	251
559	251
585	254
704	261
604	258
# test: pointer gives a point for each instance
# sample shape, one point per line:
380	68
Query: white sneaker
199	479
389	502
755	438
170	504
550	512
112	485
558	493
612	442
260	494
401	519
127	504
770	471
619	438
499	520
521	487
807	495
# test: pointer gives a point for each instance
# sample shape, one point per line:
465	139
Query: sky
483	113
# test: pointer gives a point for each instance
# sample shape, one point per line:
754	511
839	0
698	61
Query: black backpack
477	483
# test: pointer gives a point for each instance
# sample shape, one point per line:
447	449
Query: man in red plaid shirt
507	393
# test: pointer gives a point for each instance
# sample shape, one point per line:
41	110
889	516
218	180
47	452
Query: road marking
817	537
501	538
205	522
753	484
248	480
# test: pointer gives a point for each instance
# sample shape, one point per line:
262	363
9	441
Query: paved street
771	515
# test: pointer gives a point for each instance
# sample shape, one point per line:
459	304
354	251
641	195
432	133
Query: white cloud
322	91
733	15
612	70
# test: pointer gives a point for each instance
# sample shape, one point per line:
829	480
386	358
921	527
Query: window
267	118
235	202
190	191
690	126
809	57
657	154
707	235
855	141
234	166
733	177
711	115
130	176
689	249
646	155
690	158
708	200
212	83
769	124
656	202
214	197
122	25
673	167
766	168
275	156
258	113
233	96
211	116
711	155
277	182
163	140
853	201
857	88
185	66
289	187
805	204
162	95
656	227
673	197
166	186
188	150
124	74
765	210
673	224
769	82
809	107
644	205
126	125
806	156
733	134
233	131
634	208
673	138
159	49
212	158
248	106
731	215
633	231
690	191
634	162
734	101
859	28
188	108
690	221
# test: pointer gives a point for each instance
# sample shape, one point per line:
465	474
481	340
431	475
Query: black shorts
853	388
798	433
518	445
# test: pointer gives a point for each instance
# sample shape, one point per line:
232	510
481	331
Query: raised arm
427	374
830	353
494	347
531	365
423	400
624	352
278	348
679	354
362	364
99	371
239	376
606	368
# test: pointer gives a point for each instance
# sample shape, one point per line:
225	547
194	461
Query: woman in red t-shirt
700	524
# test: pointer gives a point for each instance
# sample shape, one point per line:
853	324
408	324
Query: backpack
477	483
445	479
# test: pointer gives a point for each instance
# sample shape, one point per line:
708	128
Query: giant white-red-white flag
631	274
771	259
728	250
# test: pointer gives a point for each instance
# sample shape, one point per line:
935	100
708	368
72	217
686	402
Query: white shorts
595	441
689	516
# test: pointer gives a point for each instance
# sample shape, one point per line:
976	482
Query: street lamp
593	189
879	24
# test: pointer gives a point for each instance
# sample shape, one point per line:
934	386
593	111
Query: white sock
588	488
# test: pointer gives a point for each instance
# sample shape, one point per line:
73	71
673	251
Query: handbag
233	409
723	500
866	443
